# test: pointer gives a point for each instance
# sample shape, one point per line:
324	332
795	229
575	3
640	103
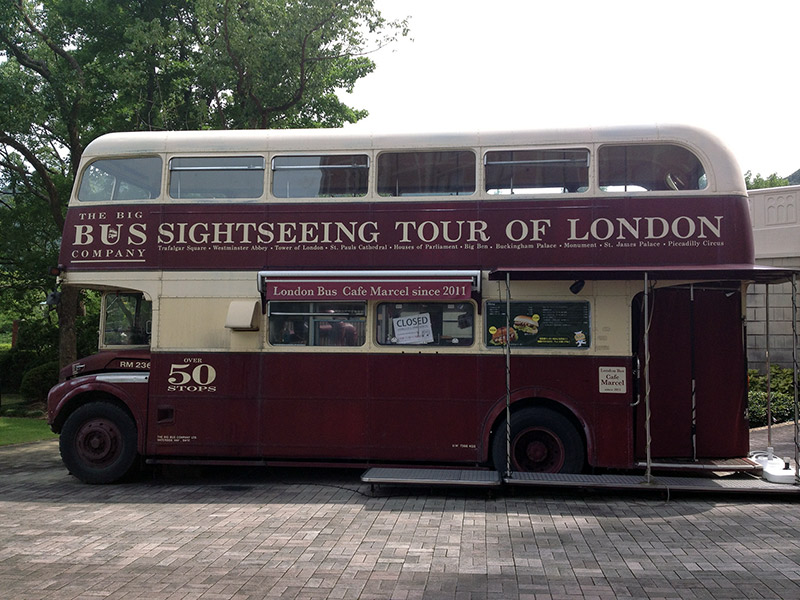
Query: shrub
781	380
782	407
38	381
14	364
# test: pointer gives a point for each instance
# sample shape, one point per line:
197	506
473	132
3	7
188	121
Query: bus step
458	477
740	465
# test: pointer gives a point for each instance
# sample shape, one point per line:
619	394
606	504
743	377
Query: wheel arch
94	391
537	398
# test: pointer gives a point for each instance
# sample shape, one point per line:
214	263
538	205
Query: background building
776	230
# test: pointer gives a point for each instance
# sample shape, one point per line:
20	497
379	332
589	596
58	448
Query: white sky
728	66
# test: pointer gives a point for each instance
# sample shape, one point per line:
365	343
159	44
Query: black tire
542	441
98	443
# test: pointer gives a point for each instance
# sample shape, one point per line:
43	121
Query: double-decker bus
545	301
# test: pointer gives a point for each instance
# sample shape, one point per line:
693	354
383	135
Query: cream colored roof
724	173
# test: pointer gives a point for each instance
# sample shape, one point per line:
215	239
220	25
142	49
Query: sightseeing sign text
391	235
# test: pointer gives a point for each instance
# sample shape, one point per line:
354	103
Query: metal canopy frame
702	273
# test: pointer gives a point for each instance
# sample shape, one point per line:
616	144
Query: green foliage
781	407
38	342
13	365
20	431
87	325
72	70
759	182
781	380
782	401
36	382
278	64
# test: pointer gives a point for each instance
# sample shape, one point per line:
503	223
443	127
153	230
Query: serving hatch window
217	177
320	176
649	167
426	324
317	323
121	179
537	171
438	173
539	324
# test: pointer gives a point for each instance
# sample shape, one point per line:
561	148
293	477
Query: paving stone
218	534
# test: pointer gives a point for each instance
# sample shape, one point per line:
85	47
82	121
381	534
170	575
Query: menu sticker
539	324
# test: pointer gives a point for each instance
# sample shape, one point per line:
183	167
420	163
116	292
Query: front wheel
98	443
542	441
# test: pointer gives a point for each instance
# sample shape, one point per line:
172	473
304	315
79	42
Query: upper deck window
217	177
537	171
121	179
426	173
323	176
650	167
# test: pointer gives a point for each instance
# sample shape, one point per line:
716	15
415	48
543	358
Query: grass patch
18	430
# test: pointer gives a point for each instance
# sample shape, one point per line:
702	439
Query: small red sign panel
368	289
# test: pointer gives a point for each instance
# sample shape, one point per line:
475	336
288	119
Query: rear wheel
542	441
98	443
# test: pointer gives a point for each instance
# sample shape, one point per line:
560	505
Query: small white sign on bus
413	329
613	380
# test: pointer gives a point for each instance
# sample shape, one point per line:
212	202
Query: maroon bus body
362	408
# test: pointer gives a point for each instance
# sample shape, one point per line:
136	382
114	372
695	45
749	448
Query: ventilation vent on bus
243	315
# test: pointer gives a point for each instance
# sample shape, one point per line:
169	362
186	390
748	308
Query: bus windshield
126	320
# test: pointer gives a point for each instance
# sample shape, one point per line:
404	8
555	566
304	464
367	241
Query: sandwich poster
539	324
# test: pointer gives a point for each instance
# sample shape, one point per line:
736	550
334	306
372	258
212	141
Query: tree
71	70
758	182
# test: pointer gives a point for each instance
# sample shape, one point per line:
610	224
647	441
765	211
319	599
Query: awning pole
693	371
769	369
648	470
794	366
508	375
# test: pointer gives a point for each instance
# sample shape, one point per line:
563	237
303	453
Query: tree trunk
67	336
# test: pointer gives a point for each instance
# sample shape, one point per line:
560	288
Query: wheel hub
538	450
98	442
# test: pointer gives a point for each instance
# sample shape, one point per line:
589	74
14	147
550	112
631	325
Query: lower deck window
317	323
437	324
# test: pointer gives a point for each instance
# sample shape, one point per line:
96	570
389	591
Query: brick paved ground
240	533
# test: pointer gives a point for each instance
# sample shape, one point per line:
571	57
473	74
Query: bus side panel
442	407
426	407
592	389
203	405
314	405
